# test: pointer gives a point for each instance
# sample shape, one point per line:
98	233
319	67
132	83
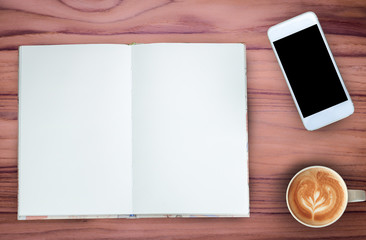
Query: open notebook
152	130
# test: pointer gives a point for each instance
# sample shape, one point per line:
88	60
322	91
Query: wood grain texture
279	144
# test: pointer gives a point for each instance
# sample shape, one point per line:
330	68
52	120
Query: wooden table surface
279	144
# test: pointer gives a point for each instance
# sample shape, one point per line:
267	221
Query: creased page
75	130
189	129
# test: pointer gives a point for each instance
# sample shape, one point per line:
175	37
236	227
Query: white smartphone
310	71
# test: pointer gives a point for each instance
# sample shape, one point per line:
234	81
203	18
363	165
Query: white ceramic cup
351	196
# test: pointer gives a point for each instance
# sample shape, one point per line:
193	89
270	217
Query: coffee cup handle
356	195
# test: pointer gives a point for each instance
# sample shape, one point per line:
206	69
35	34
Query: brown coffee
317	196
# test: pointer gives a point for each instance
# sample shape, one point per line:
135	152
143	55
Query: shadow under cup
317	196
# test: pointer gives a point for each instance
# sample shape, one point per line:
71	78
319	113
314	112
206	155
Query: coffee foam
317	196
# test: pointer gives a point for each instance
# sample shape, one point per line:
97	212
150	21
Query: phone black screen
310	71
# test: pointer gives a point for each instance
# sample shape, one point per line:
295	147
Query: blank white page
75	130
189	129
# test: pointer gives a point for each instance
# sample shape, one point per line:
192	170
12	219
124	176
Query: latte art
317	196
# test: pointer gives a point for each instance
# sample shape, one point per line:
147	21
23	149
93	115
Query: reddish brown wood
279	144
